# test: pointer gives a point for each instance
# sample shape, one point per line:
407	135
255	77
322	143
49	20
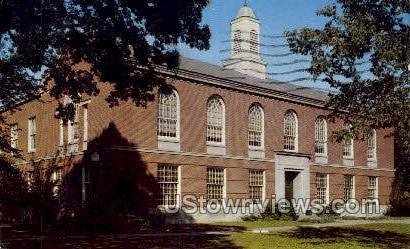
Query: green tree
377	34
45	45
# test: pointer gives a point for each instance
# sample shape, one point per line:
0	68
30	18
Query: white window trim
61	142
31	148
374	159
325	154
351	157
352	149
296	131
262	147
222	143
179	192
224	190
376	192
177	138
85	126
14	136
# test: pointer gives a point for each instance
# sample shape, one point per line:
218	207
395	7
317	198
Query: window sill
216	149
256	153
348	161
321	158
216	144
372	163
256	148
168	139
292	151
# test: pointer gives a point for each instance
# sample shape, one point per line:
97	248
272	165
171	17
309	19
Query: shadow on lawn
194	239
324	236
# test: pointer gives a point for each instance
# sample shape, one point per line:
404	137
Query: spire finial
245	3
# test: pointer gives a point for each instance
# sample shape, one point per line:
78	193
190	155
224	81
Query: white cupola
245	44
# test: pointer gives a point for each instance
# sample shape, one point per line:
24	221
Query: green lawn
263	223
363	236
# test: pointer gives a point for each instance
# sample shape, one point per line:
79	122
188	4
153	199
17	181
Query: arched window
253	38
371	145
321	136
215	120
255	132
290	131
237	36
348	144
168	115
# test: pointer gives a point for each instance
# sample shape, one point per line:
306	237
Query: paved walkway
342	223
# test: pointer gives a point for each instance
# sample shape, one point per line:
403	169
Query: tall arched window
321	136
290	131
371	145
237	36
255	132
253	38
348	145
215	120
168	115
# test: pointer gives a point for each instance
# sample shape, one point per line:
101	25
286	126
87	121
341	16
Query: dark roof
230	74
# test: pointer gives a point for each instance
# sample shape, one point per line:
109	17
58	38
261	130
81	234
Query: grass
264	223
356	237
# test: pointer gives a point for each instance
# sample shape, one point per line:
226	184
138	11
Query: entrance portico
292	175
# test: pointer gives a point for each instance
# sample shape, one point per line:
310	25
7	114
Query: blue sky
276	16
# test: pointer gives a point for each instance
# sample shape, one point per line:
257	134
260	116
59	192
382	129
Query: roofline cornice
232	84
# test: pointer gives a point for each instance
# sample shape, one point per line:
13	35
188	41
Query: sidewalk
342	223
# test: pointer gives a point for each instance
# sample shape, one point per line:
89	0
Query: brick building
223	132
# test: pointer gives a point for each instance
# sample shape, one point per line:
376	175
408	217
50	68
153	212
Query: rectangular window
56	179
322	188
73	132
215	184
85	131
168	180
14	136
371	146
348	190
372	188
30	180
256	186
348	148
32	133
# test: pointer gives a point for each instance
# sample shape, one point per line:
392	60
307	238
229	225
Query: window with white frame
85	127
320	136
168	180
215	120
14	136
371	145
256	185
254	42
290	131
372	188
73	132
237	36
255	133
348	189
322	188
56	179
168	115
30	180
32	133
348	144
61	140
215	183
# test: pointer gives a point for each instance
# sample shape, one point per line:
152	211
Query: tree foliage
75	42
360	31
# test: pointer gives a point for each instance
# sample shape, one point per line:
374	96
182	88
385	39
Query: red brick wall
138	126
